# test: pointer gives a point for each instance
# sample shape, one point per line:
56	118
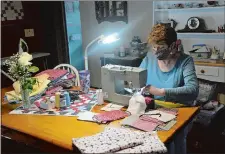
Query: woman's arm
185	94
189	92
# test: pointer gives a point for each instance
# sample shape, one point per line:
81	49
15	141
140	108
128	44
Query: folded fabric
167	126
40	80
54	74
110	140
160	115
52	90
111	107
144	125
86	116
141	123
173	111
137	104
109	116
128	121
151	144
12	95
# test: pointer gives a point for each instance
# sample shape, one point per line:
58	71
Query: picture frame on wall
111	11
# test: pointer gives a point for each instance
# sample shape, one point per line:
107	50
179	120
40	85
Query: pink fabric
110	116
150	119
172	111
145	125
53	90
148	100
70	76
53	74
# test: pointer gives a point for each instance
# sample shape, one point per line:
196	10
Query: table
55	133
59	130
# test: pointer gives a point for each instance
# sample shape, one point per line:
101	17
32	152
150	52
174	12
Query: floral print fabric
110	116
110	140
151	144
121	141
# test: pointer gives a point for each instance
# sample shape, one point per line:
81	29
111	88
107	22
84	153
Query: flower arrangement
20	69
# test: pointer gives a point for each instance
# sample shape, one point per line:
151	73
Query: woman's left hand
157	91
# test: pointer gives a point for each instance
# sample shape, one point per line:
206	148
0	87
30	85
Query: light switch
29	32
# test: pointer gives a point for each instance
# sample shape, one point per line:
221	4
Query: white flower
25	59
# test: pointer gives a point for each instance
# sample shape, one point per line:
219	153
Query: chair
7	75
72	70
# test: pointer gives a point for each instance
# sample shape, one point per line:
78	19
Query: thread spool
100	96
67	97
57	99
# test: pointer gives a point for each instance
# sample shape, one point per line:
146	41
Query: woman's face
160	50
159	46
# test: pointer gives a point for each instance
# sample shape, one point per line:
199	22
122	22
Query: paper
111	107
165	117
86	116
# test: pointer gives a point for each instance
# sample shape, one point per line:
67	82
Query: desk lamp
100	39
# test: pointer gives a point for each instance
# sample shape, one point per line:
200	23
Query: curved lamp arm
86	50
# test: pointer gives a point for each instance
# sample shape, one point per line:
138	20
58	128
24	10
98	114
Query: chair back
71	69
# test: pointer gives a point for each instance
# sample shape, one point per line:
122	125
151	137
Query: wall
139	24
212	18
13	30
73	25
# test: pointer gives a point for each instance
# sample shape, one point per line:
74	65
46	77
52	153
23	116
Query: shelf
204	35
192	9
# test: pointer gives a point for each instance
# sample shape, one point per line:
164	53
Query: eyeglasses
157	47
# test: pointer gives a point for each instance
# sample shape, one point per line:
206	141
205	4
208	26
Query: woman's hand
157	91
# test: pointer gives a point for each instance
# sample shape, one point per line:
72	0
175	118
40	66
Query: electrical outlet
29	32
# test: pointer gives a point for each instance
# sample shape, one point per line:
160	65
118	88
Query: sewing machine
119	83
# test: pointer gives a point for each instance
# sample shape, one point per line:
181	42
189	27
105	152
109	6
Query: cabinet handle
202	71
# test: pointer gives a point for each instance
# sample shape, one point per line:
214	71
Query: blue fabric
180	83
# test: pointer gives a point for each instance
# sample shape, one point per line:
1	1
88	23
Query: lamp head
109	39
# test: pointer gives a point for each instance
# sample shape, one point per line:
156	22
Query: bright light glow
111	38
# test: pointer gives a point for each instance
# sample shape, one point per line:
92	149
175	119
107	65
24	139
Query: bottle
57	99
122	51
67	98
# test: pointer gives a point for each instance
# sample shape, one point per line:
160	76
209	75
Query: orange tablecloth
60	130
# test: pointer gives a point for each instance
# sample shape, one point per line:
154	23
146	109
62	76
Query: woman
171	73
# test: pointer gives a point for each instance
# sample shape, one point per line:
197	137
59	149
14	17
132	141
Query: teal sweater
180	83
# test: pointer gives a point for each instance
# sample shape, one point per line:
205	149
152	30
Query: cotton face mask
137	105
164	52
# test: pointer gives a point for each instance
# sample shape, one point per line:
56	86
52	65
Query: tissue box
200	52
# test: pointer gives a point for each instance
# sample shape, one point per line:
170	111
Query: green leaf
33	69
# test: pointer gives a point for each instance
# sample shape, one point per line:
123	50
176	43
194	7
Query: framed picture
111	11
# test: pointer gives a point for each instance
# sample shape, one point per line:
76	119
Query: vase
25	94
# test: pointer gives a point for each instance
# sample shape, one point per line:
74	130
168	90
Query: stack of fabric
59	77
48	82
160	119
119	140
38	89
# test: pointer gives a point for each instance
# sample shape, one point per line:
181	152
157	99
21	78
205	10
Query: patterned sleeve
189	92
